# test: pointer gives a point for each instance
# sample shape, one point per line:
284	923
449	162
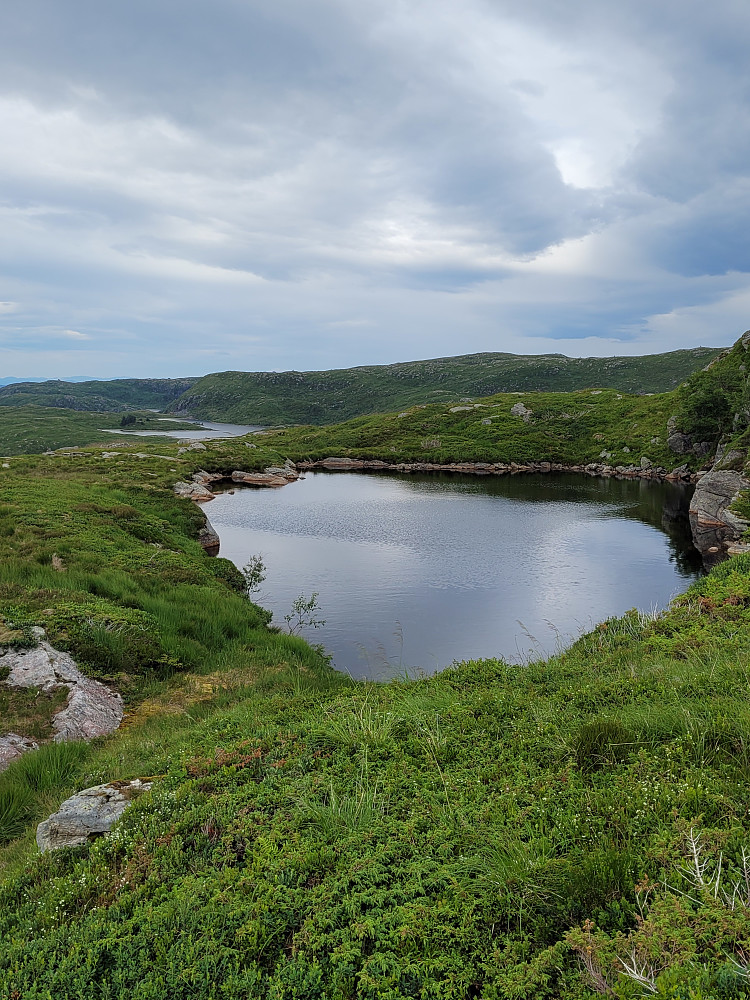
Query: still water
416	571
204	430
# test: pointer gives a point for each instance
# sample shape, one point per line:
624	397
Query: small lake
204	430
414	571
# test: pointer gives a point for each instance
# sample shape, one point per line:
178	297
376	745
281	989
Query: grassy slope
564	427
30	429
104	397
449	837
328	397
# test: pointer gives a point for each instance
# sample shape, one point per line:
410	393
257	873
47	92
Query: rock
458	409
88	814
197	446
204	478
626	450
646	463
209	538
745	339
486	422
519	410
193	491
679	443
258	479
711	522
13	746
341	463
288	470
91	710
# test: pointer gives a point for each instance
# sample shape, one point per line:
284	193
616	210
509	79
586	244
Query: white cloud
349	183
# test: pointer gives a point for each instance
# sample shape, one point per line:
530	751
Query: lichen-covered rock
13	746
519	410
91	709
193	491
88	814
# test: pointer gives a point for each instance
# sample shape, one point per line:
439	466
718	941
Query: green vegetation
29	429
574	428
561	829
329	397
103	397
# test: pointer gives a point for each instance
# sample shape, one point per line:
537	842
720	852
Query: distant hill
97	396
332	396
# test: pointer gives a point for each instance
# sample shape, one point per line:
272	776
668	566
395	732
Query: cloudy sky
190	186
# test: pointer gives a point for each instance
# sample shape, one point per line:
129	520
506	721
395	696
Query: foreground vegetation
566	828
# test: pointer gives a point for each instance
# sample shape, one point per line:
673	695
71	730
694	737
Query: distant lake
416	571
204	429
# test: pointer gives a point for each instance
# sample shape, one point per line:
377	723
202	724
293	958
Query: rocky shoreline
717	530
645	470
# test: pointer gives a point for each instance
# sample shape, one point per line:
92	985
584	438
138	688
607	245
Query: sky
190	186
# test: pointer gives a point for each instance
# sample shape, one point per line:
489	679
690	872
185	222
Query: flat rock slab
91	709
13	746
88	814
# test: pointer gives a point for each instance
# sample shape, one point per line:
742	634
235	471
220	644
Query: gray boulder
88	814
711	521
193	491
519	410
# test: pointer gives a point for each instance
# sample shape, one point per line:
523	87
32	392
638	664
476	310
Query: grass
498	831
604	427
29	429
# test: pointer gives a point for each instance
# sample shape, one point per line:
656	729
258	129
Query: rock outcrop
13	746
88	814
193	491
208	536
519	410
91	709
502	468
715	527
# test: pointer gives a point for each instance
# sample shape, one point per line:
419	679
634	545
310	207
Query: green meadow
564	828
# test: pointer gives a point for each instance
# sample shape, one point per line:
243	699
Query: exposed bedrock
716	529
91	708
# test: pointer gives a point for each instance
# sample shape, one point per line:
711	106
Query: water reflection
204	430
414	571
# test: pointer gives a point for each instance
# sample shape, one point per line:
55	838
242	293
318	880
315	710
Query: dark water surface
416	571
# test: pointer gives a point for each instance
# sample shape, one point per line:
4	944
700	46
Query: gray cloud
191	187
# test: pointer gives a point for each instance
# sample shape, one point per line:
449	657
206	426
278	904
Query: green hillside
495	831
34	429
331	396
562	829
570	427
103	397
